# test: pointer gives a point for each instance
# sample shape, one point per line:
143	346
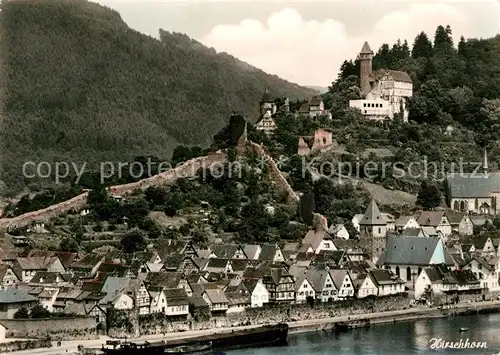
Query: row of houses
444	222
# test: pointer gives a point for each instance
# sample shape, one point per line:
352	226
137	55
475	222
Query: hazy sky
306	41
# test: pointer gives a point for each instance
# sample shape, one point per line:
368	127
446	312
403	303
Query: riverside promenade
71	347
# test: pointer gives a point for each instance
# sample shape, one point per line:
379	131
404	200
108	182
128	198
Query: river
412	337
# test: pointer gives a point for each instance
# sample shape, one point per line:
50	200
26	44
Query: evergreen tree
462	46
422	46
429	195
443	41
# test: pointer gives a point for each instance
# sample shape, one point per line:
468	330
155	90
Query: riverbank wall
396	316
52	328
24	345
156	324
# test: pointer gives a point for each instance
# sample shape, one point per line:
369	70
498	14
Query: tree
443	40
69	244
134	240
22	313
422	46
39	312
429	195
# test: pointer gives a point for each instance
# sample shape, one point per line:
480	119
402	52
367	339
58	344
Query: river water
411	337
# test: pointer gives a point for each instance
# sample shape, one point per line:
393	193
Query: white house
258	293
338	231
436	219
439	281
158	301
405	222
303	289
3	331
343	282
48	297
216	300
177	303
386	282
486	272
322	282
365	286
319	240
7	276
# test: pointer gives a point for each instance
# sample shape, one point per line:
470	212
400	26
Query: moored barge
265	336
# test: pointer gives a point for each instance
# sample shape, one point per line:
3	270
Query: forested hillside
80	86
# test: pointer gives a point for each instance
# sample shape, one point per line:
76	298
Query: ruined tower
365	64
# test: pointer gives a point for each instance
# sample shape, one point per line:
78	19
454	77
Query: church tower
365	64
373	230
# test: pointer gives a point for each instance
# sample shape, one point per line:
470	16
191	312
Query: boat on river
198	349
133	348
265	336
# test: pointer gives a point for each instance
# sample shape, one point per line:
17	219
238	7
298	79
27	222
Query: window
365	111
327	245
364	105
379	230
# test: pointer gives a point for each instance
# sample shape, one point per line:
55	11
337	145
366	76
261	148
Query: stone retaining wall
55	328
157	324
22	345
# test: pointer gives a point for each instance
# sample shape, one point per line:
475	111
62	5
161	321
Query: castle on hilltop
385	91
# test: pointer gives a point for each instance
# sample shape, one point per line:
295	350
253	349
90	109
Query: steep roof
396	75
250	250
176	296
429	218
225	251
405	250
36	263
472	185
14	295
455	217
216	296
314	238
315	101
268	251
402	221
372	216
366	49
384	277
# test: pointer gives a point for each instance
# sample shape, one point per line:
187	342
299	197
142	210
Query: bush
22	313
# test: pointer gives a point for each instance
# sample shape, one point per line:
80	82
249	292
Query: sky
306	41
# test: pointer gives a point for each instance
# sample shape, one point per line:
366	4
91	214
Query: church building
384	91
475	193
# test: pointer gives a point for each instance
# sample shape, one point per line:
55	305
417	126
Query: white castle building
385	90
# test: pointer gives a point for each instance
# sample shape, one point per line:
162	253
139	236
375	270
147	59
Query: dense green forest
80	85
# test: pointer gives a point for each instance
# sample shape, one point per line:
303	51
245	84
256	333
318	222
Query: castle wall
189	168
